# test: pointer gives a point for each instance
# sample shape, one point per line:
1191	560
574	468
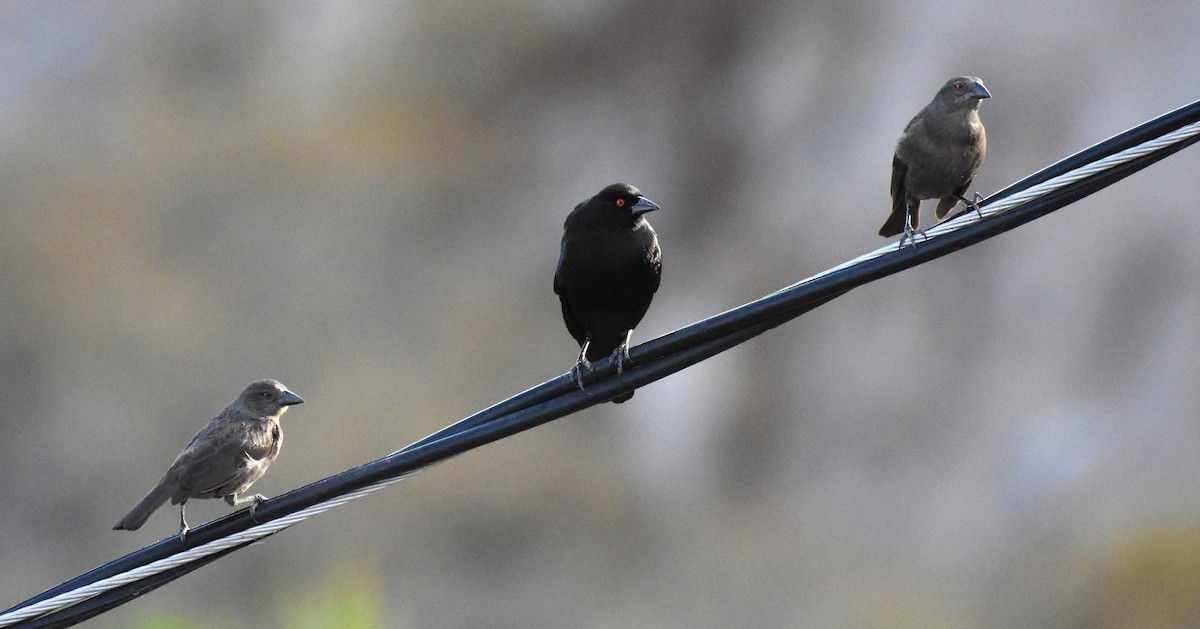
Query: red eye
960	87
620	202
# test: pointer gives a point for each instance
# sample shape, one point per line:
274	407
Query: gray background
364	200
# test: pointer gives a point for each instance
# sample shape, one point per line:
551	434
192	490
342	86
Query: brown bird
937	155
225	457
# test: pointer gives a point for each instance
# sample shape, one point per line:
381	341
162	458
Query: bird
609	267
224	458
937	156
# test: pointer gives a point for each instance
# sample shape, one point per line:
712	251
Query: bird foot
974	204
910	235
581	365
235	500
256	499
910	229
621	356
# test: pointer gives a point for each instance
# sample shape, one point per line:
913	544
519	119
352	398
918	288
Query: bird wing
574	326
262	439
214	458
899	171
558	269
895	220
656	263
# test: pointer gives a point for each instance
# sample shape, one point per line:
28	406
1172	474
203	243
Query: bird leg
910	232
235	501
621	354
183	527
581	364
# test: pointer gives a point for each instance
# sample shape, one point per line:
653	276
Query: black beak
979	91
642	206
290	398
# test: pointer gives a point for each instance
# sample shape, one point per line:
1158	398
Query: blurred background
365	200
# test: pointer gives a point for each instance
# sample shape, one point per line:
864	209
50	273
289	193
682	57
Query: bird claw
910	232
581	364
910	235
973	203
577	372
256	500
620	356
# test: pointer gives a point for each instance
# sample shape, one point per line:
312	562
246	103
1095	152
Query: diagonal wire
989	208
1045	191
229	542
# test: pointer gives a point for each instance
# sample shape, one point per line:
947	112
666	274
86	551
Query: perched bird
608	270
937	155
225	457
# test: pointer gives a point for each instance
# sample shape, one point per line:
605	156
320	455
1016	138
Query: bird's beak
290	398
979	91
642	206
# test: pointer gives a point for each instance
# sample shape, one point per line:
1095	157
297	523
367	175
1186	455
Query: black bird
938	155
608	270
225	457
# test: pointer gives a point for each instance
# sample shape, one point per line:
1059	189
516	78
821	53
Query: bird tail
894	224
900	209
141	512
944	206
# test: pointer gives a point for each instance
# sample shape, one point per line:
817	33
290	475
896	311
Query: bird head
268	398
963	91
624	198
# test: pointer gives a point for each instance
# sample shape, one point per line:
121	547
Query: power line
1043	192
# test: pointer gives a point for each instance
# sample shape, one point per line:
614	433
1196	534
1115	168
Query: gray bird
937	155
225	457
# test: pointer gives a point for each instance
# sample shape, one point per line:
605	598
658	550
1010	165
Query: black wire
118	596
652	361
1144	132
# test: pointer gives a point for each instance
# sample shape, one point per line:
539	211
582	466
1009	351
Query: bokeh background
365	199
